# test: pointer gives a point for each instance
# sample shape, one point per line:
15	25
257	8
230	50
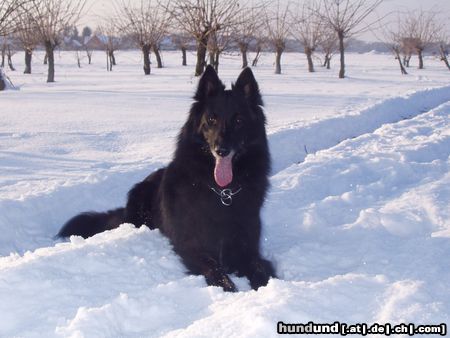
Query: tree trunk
49	49
107	61
420	55
308	53
113	58
78	59
146	53
244	48
342	52
256	59
183	52
211	58
2	81
45	59
158	57
216	61
444	56
327	61
201	55
28	57
445	59
278	53
3	57
398	57
89	55
406	60
10	64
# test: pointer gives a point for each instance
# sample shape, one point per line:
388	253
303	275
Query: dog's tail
88	224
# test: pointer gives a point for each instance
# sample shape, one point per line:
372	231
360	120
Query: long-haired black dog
207	201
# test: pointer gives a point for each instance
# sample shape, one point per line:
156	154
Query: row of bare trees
312	23
38	22
329	25
416	32
215	25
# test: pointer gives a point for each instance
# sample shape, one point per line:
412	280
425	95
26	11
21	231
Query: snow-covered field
357	221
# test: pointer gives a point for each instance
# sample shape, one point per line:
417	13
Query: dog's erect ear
208	85
246	83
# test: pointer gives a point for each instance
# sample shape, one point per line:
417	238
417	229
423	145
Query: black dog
207	201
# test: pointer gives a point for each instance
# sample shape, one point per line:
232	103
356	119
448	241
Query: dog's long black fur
215	232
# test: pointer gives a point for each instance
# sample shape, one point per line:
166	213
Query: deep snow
356	222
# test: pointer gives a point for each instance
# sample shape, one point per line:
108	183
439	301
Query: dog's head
227	123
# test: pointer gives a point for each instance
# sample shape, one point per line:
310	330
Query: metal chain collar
226	195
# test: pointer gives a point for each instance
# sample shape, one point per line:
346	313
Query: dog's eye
212	120
239	120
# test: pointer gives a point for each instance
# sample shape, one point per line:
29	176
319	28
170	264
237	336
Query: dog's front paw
262	271
219	278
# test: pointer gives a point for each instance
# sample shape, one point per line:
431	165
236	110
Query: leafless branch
8	15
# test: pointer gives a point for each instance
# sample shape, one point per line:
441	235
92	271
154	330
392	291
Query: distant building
94	42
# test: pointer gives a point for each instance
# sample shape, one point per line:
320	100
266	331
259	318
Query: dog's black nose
222	151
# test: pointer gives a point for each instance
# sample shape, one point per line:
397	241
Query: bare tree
444	47
157	50
78	56
89	53
307	28
261	43
8	50
182	41
277	25
328	45
421	29
109	35
346	17
146	24
2	80
218	42
50	18
4	41
406	50
393	38
199	18
249	23
27	35
86	35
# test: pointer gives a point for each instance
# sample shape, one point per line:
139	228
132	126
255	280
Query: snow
356	222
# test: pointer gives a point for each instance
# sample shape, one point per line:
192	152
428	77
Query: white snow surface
357	221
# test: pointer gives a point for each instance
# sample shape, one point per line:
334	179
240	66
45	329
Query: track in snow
326	133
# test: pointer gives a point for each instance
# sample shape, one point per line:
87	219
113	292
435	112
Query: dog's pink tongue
223	172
